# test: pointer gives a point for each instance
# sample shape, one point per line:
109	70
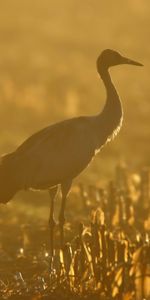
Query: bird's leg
65	187
52	193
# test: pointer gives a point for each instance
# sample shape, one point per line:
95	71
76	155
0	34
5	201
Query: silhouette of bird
55	155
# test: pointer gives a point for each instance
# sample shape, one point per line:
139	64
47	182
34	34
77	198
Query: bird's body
77	142
52	161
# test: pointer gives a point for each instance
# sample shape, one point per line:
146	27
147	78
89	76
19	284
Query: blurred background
48	52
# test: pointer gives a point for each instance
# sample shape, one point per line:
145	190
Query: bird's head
109	58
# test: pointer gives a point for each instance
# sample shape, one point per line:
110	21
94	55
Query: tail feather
8	185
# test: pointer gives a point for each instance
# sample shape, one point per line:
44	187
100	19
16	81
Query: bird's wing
56	153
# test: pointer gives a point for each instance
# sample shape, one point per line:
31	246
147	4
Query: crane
54	156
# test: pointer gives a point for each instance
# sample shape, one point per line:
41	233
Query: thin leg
65	187
52	193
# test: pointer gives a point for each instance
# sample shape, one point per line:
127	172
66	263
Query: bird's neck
111	116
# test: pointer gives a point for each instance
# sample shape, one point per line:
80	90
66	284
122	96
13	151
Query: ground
106	251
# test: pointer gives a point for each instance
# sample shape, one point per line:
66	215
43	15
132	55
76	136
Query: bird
51	158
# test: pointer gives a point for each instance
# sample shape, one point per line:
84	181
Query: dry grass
105	257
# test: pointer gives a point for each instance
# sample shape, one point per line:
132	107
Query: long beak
130	62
